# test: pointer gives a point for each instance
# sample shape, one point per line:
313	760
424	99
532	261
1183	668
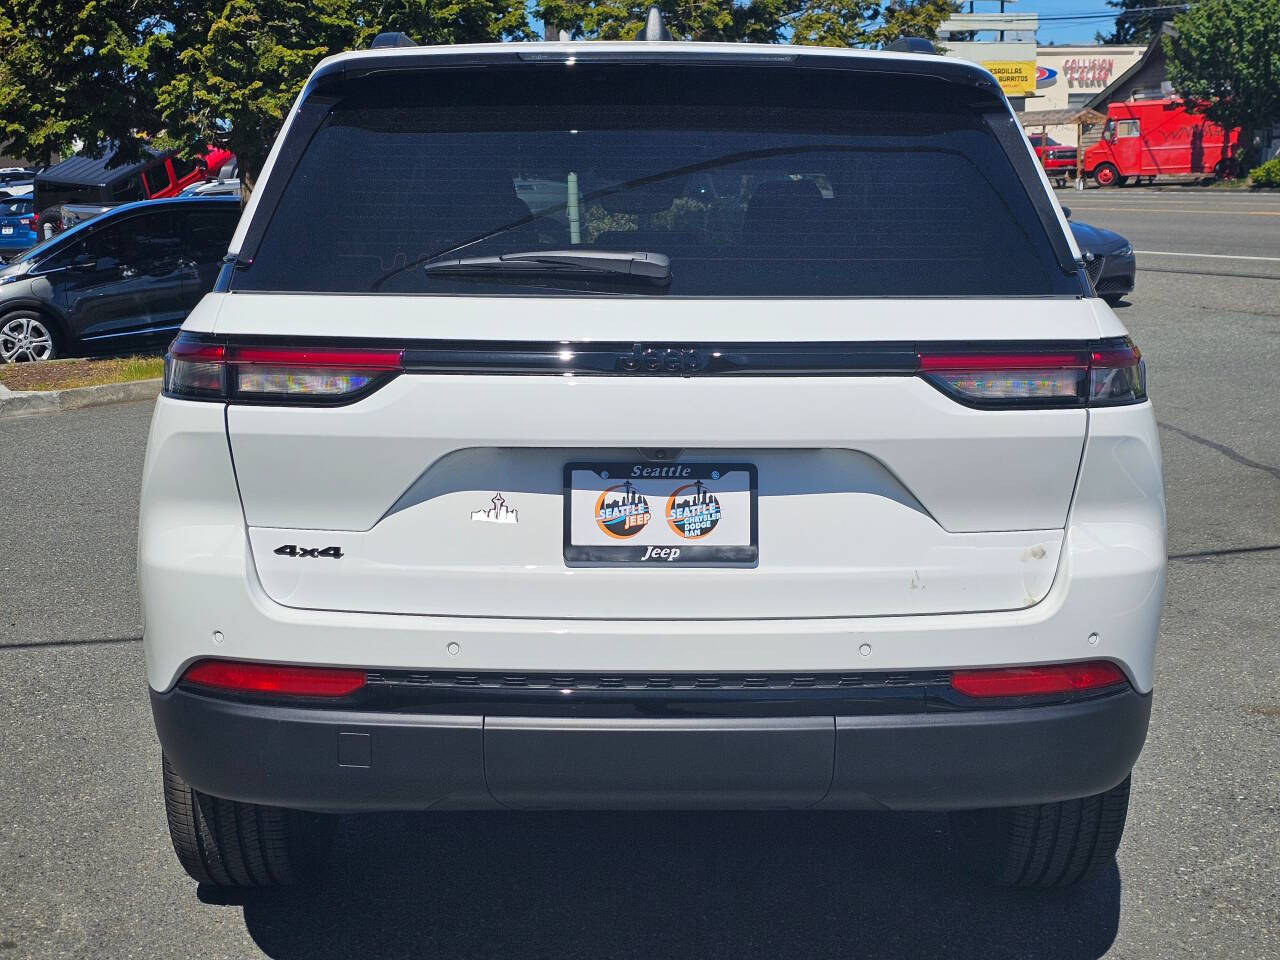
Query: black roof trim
947	69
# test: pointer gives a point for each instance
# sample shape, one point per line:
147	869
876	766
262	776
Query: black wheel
26	336
1225	170
1047	845
231	844
1106	175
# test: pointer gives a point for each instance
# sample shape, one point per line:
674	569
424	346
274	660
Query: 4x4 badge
500	512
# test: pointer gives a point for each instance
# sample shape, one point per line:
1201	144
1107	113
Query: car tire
1044	845
1225	170
226	843
27	336
1106	175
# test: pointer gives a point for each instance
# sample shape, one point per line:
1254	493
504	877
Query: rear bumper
351	760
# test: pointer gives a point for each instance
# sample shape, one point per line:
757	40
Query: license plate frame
685	552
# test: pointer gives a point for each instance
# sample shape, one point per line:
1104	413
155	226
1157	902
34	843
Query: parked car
213	188
1109	260
17	225
83	179
792	495
1159	138
15	181
1058	159
62	216
123	280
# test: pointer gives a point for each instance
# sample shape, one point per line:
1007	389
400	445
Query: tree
71	70
756	21
1225	57
1141	26
241	67
832	23
869	23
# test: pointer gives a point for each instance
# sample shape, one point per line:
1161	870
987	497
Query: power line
1107	15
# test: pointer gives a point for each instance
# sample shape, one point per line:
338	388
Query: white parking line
1211	256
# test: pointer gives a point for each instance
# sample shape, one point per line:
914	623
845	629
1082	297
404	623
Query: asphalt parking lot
85	864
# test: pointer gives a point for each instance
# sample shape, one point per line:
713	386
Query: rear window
755	182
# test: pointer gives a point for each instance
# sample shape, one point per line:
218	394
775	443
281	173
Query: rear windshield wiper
616	264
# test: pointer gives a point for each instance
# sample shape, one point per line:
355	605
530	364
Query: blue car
17	225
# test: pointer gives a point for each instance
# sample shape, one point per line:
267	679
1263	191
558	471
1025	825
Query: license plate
6	231
700	514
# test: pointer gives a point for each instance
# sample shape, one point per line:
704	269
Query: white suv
787	461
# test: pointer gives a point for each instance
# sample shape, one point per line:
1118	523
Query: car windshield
15	208
753	182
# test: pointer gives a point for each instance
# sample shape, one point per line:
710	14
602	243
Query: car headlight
1125	251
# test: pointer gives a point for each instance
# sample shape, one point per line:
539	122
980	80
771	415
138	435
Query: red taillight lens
246	677
1117	375
1037	681
1110	374
195	370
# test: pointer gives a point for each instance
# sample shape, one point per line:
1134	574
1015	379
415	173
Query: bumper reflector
1037	681
246	677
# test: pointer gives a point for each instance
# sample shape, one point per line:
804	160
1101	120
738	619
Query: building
1002	42
1075	76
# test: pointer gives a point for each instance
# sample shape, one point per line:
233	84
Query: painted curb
29	403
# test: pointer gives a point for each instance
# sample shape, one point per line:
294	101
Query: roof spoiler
654	28
912	45
391	39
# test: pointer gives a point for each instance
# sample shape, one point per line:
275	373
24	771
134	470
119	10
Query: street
88	870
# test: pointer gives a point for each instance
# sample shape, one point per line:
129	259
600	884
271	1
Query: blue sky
1063	31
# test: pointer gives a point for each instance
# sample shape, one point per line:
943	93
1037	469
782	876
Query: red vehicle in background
1152	138
1058	159
170	176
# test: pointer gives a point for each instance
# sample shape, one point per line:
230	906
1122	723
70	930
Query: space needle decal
500	513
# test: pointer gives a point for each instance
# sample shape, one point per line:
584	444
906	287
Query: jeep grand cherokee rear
778	457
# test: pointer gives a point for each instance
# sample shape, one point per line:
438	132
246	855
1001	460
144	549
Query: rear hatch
837	373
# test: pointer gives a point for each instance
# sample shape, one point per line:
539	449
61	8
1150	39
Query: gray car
1109	260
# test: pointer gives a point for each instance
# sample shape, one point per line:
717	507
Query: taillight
248	677
1110	373
1058	678
195	370
1117	374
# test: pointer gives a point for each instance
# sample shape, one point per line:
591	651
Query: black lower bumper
353	760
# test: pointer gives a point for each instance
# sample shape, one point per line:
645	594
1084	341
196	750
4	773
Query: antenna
654	28
390	39
912	45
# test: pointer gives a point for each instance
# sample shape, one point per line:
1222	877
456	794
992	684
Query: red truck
1151	138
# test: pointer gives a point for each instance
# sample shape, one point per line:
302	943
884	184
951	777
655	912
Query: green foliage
183	73
1139	27
756	21
869	23
241	67
74	70
1226	55
1266	175
832	23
